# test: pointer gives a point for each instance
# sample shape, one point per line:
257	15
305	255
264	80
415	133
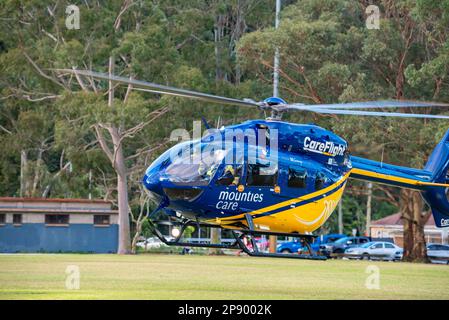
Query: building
392	227
57	225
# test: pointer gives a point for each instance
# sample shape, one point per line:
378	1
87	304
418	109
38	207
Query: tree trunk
37	173
124	241
368	208
400	82
340	216
218	75
215	238
139	224
118	162
220	21
414	221
124	246
23	172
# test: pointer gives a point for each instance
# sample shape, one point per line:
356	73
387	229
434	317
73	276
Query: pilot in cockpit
208	164
230	176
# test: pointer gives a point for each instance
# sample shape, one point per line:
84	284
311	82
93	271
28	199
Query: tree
139	218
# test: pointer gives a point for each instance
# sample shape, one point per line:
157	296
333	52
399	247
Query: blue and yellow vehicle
273	177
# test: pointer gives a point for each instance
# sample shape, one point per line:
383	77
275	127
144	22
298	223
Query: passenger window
389	246
320	180
230	176
297	178
261	175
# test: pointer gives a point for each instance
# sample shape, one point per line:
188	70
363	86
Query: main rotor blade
378	104
161	89
373	113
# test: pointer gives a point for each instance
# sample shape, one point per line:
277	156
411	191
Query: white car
375	250
152	243
438	253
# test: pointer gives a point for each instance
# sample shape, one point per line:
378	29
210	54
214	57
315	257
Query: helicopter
271	177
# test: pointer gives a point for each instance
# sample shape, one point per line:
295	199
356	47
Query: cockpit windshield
194	164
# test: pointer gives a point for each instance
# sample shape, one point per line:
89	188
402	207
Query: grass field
148	276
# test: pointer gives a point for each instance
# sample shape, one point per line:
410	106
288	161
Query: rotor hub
274	104
274	101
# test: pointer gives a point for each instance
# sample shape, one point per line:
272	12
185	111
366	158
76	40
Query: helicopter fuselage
292	189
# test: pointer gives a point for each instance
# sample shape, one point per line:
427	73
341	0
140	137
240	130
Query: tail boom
364	169
432	181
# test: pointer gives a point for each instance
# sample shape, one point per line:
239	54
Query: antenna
276	54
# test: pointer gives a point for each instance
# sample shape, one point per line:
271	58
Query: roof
19	199
395	219
49	205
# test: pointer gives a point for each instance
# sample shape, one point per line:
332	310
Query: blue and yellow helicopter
270	177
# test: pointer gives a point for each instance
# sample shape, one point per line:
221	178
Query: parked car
152	243
438	253
339	246
398	256
375	250
297	246
289	246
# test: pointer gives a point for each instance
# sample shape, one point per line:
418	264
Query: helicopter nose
152	184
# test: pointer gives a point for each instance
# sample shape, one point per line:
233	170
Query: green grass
151	276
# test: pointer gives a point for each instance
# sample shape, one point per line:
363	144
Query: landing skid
184	225
239	243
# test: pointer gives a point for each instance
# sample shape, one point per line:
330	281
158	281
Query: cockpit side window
231	175
261	175
297	178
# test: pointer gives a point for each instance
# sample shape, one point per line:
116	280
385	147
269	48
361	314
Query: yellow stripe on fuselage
386	177
301	218
292	201
309	216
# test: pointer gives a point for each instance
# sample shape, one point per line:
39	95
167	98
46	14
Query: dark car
339	246
296	245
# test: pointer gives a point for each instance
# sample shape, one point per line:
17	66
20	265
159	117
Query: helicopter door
296	180
261	180
224	191
261	175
